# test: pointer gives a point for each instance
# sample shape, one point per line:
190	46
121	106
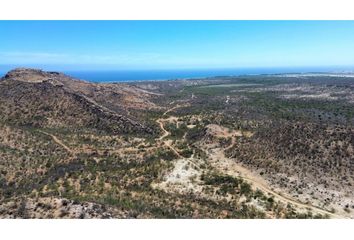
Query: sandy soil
182	174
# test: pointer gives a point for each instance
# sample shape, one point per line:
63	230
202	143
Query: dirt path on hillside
165	132
228	166
174	108
160	121
58	141
168	143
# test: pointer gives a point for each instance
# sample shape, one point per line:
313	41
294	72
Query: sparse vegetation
71	149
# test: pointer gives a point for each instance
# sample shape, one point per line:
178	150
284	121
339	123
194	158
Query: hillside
36	98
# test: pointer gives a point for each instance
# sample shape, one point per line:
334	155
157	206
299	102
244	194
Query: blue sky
127	45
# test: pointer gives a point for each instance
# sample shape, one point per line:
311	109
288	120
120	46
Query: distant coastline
111	76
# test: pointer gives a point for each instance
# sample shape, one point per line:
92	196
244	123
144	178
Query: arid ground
263	146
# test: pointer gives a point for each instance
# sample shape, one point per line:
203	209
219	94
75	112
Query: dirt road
174	108
168	143
165	132
228	166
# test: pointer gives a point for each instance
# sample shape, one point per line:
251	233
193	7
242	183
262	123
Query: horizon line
117	69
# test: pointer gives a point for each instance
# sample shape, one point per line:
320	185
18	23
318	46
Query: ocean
149	75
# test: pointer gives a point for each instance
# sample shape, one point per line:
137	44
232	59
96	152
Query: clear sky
124	45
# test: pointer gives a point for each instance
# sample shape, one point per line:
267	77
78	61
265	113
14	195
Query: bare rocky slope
31	97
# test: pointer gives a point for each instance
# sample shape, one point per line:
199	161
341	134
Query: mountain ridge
57	99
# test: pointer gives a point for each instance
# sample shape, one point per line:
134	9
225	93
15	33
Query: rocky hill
31	97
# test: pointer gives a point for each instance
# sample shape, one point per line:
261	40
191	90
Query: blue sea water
148	75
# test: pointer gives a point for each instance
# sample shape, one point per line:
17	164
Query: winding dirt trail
227	165
165	132
174	108
168	143
161	121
